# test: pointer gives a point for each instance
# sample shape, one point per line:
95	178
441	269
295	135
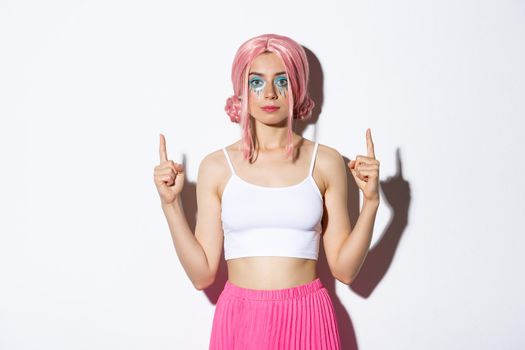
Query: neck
272	137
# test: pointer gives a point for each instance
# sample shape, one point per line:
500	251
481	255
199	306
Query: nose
270	92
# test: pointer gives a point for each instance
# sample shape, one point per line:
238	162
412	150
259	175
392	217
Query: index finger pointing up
162	149
369	143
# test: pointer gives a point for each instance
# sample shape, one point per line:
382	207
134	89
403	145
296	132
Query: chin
270	119
281	122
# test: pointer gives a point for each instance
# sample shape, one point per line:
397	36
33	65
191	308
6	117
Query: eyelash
285	82
260	80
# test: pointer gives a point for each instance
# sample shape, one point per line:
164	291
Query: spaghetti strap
228	159
312	162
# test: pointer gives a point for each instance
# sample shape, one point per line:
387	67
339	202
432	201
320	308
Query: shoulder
328	156
214	169
330	163
328	152
213	162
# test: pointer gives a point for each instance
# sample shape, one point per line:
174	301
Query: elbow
344	279
200	285
204	283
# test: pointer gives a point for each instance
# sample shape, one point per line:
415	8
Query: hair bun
233	108
304	111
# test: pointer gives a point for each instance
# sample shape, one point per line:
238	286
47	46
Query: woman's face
268	86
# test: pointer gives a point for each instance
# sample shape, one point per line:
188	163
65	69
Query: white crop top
271	221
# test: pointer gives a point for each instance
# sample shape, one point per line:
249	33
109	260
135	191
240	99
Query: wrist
173	204
371	201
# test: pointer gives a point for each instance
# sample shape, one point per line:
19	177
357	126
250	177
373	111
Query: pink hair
296	66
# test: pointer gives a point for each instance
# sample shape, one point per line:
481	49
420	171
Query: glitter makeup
256	85
282	85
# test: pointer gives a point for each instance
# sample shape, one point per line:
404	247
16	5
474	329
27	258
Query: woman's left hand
365	170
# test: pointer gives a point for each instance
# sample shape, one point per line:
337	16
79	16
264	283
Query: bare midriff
271	272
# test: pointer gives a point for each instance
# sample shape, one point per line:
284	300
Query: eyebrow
279	73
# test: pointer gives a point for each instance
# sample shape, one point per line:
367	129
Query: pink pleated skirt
301	317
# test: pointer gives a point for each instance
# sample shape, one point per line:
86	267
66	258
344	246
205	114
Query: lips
269	108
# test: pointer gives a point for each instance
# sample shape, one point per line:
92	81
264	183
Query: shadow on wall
395	193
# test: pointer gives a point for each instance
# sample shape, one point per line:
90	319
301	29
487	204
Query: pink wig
296	65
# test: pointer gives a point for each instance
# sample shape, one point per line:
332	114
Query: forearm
188	248
354	249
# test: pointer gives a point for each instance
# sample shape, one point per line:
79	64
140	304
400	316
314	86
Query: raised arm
346	248
199	254
208	229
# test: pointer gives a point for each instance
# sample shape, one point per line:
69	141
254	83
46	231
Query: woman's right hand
168	176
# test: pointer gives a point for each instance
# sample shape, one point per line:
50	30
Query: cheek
253	100
255	95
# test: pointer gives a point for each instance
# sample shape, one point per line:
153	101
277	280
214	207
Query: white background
86	258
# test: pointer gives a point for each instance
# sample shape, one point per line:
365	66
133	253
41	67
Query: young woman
269	197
